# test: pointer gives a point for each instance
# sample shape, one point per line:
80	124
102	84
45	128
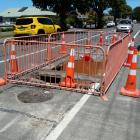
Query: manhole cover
31	96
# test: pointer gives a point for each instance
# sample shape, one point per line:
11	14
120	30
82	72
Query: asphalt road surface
69	115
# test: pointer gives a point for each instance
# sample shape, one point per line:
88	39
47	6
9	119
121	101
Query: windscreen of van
24	21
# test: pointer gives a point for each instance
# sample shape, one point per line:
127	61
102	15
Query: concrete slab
53	109
32	120
18	126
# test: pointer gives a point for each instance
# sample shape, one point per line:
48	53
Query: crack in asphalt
26	114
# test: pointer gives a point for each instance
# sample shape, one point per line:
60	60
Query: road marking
68	117
129	44
136	34
9	124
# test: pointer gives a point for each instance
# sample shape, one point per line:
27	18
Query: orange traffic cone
88	46
69	79
130	54
2	82
49	50
130	87
114	39
13	61
101	39
63	49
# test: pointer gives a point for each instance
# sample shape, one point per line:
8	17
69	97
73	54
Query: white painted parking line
68	117
9	124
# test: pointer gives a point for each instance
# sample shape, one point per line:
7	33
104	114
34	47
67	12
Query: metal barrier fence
116	55
45	63
2	70
78	37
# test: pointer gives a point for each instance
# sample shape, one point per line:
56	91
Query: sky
6	4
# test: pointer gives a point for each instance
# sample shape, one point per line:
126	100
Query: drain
31	96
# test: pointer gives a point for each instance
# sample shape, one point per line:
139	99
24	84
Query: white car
124	26
110	24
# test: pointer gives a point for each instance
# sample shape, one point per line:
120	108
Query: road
69	115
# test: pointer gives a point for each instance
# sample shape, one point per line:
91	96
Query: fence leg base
2	82
104	98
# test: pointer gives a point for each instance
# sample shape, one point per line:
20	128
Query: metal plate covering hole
31	96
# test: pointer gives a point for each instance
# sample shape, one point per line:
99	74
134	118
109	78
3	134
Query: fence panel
116	56
44	61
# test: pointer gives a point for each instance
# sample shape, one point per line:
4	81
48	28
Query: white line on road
68	117
136	34
129	44
9	124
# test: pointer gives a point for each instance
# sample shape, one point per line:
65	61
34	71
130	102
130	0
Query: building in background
9	16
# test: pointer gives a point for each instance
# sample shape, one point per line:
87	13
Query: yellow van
35	25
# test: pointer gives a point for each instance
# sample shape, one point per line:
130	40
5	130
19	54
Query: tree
117	8
91	17
136	13
99	6
62	7
126	11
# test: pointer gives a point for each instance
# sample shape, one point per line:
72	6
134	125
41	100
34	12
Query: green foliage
99	6
117	7
136	13
91	17
70	20
126	11
7	29
63	7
